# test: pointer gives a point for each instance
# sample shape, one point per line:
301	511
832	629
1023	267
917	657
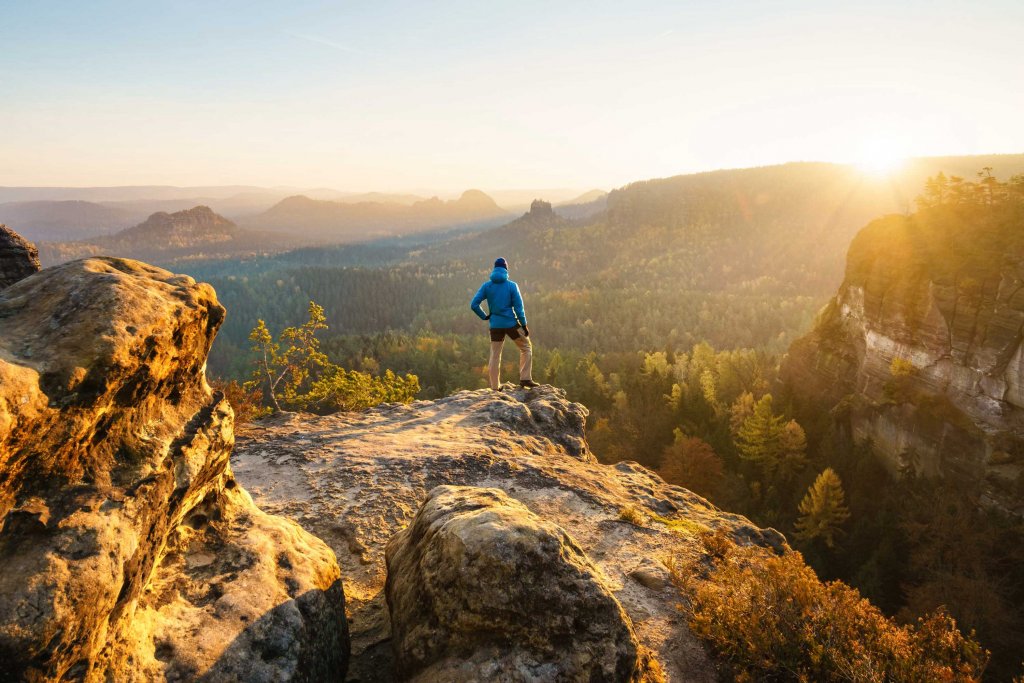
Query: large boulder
481	589
18	257
127	549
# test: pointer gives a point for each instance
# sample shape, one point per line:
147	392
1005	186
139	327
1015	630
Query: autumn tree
739	411
692	463
823	510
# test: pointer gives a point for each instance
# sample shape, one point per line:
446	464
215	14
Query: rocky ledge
128	551
484	581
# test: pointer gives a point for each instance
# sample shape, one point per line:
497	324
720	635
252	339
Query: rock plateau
529	538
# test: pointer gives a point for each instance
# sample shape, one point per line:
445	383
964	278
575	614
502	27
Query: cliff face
127	549
499	537
921	349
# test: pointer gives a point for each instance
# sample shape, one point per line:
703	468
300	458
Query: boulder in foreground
481	589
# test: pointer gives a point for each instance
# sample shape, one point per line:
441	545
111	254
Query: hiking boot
528	384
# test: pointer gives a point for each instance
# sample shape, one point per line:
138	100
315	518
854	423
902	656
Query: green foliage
293	373
775	445
823	510
771	618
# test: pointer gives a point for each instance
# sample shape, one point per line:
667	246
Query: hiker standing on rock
505	311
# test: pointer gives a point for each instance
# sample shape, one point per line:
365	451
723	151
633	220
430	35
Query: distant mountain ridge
340	221
73	219
165	237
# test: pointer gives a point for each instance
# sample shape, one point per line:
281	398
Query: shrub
771	618
246	402
632	515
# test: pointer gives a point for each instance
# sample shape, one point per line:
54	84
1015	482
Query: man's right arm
477	300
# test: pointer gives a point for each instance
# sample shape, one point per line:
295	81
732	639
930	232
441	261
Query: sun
880	160
881	165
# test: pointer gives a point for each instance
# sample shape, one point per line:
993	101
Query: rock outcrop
356	480
127	549
540	209
921	351
481	589
18	257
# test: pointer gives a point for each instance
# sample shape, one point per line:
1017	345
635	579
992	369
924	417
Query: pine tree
823	510
792	450
759	438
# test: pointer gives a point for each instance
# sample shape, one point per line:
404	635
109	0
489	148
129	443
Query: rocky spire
541	209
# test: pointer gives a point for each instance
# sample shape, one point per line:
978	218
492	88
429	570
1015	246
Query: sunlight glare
880	159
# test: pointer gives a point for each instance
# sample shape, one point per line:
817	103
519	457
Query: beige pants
525	360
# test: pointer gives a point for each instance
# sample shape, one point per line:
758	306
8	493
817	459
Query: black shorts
498	333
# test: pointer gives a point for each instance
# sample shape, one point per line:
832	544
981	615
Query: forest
672	338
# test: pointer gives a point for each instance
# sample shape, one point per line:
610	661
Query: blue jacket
504	302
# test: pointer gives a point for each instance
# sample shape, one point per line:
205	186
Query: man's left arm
517	306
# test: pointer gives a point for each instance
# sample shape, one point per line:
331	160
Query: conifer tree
759	438
823	510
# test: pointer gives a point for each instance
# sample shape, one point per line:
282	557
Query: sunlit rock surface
356	480
127	549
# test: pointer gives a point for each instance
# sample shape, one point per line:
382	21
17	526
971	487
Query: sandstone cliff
127	549
483	583
920	351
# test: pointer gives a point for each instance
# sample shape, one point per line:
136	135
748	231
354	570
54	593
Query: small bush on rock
771	619
631	515
246	402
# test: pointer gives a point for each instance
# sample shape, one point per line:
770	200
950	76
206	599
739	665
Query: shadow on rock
298	638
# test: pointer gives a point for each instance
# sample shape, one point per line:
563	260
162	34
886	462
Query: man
505	311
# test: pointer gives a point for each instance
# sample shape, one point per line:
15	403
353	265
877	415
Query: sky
395	96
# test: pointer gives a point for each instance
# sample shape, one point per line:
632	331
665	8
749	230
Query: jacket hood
499	275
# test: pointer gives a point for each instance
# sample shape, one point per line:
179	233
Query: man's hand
526	331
